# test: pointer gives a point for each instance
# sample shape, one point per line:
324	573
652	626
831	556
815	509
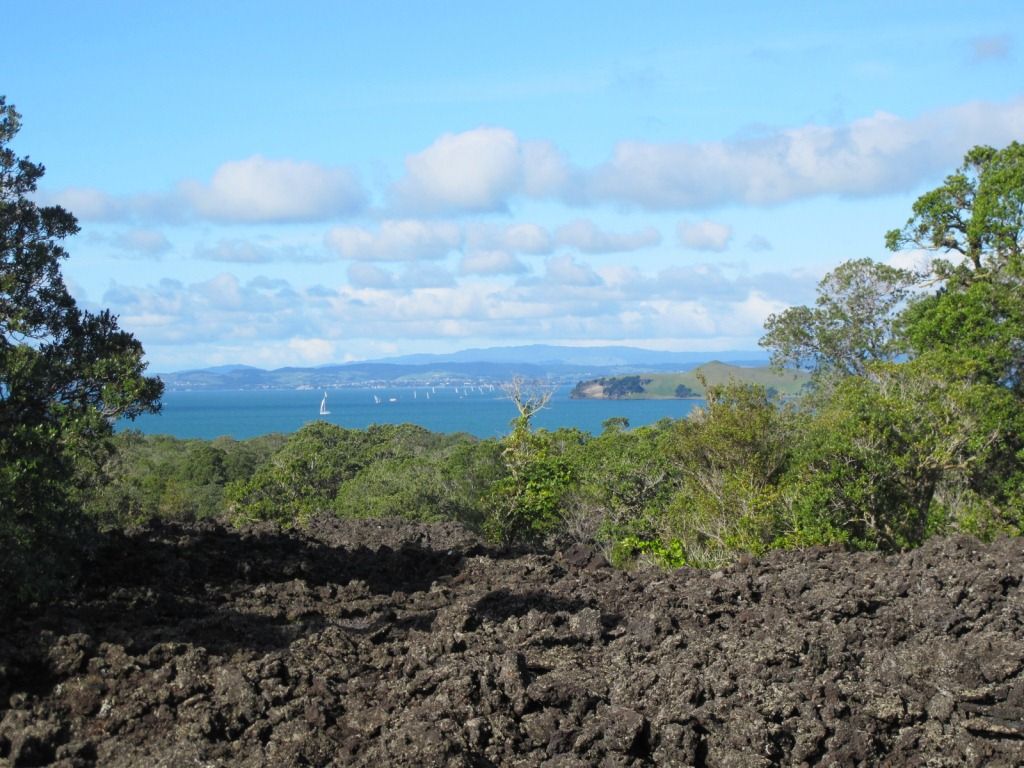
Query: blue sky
298	184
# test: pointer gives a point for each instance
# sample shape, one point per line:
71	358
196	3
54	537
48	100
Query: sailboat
376	400
323	406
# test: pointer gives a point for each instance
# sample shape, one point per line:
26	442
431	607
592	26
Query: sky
307	183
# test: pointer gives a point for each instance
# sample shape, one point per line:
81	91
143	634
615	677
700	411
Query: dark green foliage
683	391
977	214
526	504
731	457
325	468
624	480
623	386
615	387
156	476
65	374
447	482
901	446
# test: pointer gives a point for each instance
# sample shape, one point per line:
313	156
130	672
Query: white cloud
565	270
401	240
704	235
261	317
363	275
142	242
425	276
879	154
312	351
477	171
491	263
526	238
86	203
236	251
261	189
585	236
486	169
914	259
90	204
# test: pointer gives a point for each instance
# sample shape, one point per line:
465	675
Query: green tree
921	430
624	480
65	376
852	324
525	504
969	332
977	214
731	457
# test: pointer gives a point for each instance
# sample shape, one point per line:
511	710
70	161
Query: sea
481	411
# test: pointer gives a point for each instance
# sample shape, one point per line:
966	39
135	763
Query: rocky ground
362	643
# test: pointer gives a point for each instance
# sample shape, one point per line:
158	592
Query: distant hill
478	366
654	386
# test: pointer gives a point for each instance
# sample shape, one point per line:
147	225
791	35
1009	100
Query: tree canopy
65	374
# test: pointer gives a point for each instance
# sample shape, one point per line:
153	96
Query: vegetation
65	374
910	421
690	384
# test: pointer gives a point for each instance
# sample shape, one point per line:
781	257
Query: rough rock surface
369	643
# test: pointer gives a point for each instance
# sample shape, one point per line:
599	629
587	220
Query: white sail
323	406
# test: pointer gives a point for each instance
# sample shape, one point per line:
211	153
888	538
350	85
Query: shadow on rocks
228	590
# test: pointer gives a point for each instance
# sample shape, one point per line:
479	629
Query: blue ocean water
481	412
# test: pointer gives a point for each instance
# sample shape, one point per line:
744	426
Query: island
689	384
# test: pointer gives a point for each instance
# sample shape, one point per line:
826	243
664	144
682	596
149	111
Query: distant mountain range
479	366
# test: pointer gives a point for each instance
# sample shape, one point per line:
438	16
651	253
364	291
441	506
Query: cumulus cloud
565	270
704	235
263	189
521	238
142	242
879	154
401	240
478	171
703	305
490	263
527	238
486	169
86	203
915	259
425	276
585	236
238	251
222	307
91	204
363	275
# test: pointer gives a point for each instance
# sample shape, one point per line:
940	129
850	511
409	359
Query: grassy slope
663	385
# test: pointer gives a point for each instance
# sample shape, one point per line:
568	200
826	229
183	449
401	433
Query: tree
978	213
970	330
730	456
976	317
524	505
923	430
65	376
851	325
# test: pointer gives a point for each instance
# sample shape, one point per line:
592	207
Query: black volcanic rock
384	643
